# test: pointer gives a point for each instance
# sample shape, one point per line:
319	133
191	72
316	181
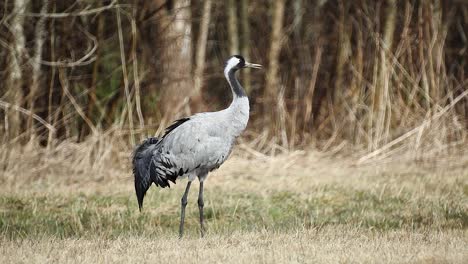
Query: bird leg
182	212
200	207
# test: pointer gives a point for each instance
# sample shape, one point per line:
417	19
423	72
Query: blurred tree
176	33
233	30
382	89
14	93
37	77
273	81
245	42
201	53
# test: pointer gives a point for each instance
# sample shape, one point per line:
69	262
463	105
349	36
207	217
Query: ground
300	207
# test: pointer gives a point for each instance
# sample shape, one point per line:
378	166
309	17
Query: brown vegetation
357	73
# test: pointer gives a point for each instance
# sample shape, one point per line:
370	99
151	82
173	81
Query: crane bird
193	146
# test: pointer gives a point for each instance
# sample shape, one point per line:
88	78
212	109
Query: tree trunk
382	94
272	86
344	47
176	33
245	43
201	53
15	87
232	28
36	67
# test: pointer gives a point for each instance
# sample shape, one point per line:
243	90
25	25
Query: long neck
237	90
239	109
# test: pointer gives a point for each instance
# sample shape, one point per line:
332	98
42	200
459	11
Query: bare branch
64	82
6	106
94	11
136	77
85	60
125	77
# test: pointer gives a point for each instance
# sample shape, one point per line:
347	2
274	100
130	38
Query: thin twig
136	78
125	78
6	106
85	60
78	109
81	13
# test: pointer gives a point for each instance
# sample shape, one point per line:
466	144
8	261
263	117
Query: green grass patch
76	215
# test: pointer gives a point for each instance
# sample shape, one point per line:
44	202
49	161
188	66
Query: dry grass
293	208
337	244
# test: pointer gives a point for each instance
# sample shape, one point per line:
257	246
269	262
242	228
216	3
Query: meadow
297	207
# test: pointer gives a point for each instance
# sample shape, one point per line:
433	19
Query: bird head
237	62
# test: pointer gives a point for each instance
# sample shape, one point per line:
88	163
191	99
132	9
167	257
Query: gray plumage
192	147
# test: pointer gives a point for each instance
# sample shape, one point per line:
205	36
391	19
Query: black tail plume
142	158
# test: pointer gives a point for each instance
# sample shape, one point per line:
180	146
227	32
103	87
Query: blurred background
373	75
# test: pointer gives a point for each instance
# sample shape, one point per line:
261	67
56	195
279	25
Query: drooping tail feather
150	166
142	159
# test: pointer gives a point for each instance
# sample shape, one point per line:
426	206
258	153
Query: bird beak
253	65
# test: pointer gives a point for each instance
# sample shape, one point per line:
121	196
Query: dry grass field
300	207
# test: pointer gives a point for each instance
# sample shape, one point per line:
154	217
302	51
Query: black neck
235	85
